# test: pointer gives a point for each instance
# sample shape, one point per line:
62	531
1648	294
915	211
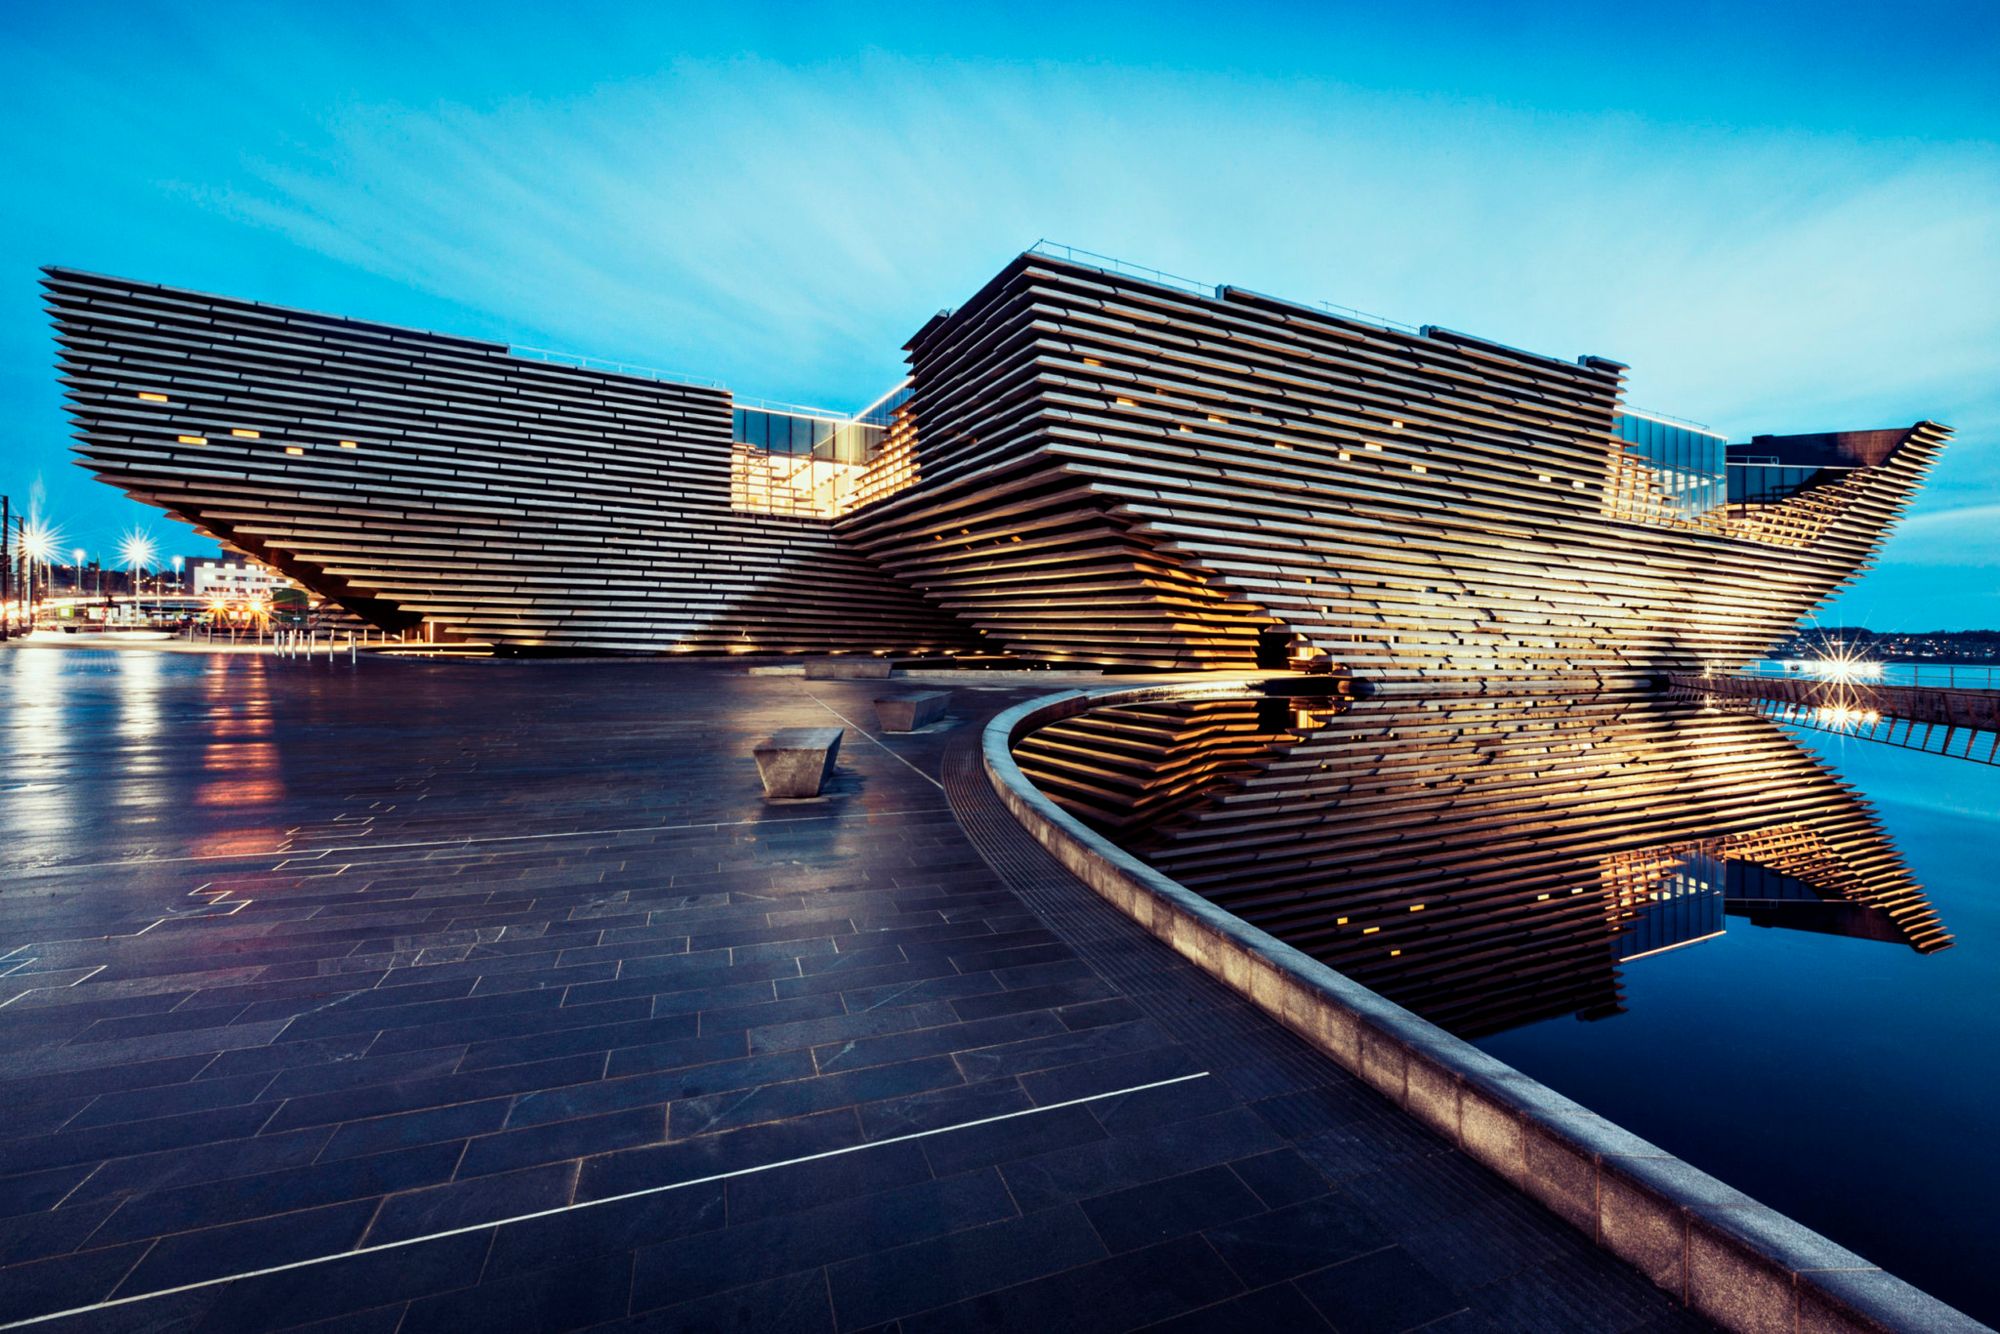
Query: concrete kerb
1738	1263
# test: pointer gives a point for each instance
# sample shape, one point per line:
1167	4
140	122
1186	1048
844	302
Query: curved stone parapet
1735	1261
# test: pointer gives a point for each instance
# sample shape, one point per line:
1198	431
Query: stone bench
795	761
906	713
848	669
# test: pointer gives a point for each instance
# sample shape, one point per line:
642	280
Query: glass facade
1688	472
812	465
1679	901
1755	480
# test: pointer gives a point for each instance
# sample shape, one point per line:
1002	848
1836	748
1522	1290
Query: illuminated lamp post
76	556
180	563
136	552
38	545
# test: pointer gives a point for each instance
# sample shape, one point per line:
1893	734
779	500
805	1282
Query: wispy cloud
784	224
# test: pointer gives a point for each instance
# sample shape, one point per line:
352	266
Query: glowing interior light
152	398
349	444
1418	467
1395	426
1125	403
293	449
192	439
1370	930
1346	457
1371	446
243	434
1092	361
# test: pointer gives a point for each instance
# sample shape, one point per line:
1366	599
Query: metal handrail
1091	259
1667	417
1893	672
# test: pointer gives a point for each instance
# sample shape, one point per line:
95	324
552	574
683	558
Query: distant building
233	579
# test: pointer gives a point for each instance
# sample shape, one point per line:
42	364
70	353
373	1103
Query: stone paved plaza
478	995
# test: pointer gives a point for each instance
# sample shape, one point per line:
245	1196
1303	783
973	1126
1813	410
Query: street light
136	551
76	556
38	546
180	563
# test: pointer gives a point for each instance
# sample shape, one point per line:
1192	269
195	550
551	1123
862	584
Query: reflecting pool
1769	951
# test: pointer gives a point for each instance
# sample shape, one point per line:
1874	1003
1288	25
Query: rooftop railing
1090	259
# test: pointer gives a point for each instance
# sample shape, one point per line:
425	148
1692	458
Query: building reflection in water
1487	860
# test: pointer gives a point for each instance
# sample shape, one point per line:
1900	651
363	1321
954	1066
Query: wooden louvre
421	477
1117	470
1090	467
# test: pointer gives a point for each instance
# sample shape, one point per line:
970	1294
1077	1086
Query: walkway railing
1961	722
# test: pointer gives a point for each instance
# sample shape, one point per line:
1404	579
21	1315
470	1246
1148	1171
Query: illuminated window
1125	403
1371	446
349	444
1418	467
243	434
153	398
1092	361
1346	457
293	449
192	439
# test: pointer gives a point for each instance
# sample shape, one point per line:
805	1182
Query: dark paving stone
360	1283
419	1213
64	1282
560	1140
795	1304
908	1279
602	1229
754	1252
180	1208
207	1162
357	1139
845	1176
190	1257
1140	1288
1280	1177
1161	1210
490	930
1285	1243
582	1292
1379	1293
1281	1307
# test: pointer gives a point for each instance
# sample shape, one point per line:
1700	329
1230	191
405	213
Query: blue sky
1783	216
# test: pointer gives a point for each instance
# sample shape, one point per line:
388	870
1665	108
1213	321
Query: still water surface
1773	952
1851	1084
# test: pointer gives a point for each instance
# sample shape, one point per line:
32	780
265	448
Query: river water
1774	952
